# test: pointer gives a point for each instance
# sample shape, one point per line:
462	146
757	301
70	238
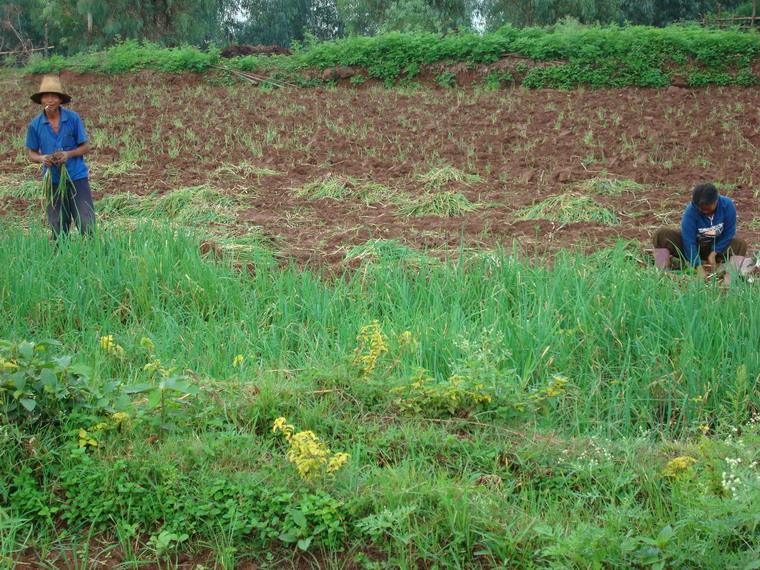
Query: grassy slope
537	475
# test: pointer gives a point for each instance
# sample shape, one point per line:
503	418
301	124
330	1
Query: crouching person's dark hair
704	194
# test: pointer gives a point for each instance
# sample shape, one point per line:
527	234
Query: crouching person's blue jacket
718	229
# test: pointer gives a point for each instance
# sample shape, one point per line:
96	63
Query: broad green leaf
81	370
63	361
139	388
304	543
28	404
664	537
26	349
298	517
154	399
288	537
48	378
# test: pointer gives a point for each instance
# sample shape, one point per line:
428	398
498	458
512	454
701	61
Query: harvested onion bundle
53	193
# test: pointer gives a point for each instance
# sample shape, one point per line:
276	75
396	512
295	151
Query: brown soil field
389	150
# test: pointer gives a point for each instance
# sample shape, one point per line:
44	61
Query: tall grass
640	349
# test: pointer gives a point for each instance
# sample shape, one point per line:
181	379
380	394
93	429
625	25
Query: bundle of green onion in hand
55	192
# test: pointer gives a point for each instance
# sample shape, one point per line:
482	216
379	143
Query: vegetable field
359	327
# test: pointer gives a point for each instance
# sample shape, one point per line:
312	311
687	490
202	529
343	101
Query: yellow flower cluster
147	344
312	458
156	366
372	345
89	438
406	338
108	344
556	387
678	467
455	396
238	360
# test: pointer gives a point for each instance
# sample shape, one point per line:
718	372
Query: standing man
707	236
54	138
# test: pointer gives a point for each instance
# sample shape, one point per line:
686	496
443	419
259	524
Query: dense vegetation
492	411
561	56
81	25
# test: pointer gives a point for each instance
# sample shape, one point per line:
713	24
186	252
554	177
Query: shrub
36	386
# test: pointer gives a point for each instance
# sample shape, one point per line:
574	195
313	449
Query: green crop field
186	389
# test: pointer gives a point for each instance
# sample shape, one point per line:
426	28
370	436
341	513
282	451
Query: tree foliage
75	25
78	25
646	12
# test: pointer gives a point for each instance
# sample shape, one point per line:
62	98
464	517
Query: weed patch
443	204
568	209
611	186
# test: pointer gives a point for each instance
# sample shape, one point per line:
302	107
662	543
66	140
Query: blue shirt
41	138
718	229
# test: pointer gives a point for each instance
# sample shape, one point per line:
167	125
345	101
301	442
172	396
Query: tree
546	12
78	24
282	21
21	27
647	12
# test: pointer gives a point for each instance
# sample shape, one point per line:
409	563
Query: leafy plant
457	396
446	79
599	56
166	400
37	387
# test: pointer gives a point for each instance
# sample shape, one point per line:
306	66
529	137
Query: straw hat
51	84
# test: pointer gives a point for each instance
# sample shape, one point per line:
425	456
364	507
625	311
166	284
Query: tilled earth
153	134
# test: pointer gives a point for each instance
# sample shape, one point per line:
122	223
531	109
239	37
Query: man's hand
47	159
60	157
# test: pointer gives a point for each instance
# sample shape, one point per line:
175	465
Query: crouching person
707	236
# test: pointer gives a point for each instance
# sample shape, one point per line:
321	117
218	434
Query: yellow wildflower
147	344
108	344
406	339
156	366
556	387
312	458
678	467
336	462
238	360
86	439
280	424
120	418
372	345
7	364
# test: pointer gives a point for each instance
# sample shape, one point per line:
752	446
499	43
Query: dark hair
704	194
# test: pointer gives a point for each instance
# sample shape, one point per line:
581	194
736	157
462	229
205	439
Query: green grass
241	171
387	251
443	204
336	187
437	178
20	187
541	473
190	206
567	209
611	186
611	308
